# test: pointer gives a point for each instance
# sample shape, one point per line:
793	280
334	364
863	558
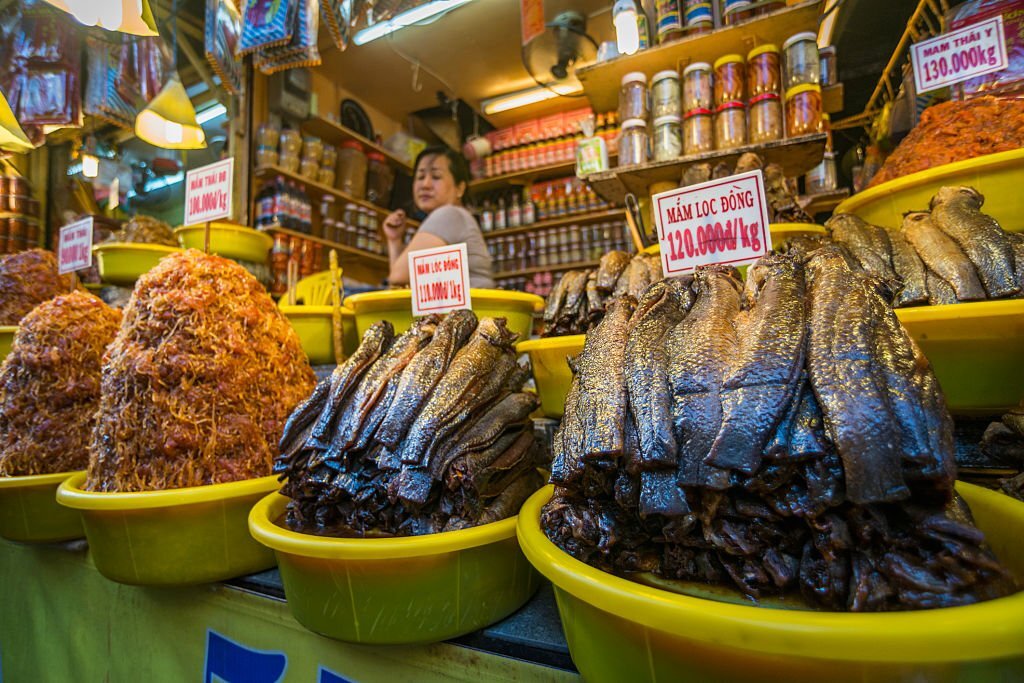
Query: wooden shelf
318	189
377	259
601	81
335	134
543	269
575	219
823	201
563	169
795	155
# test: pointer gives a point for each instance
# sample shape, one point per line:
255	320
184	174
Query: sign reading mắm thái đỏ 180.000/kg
208	192
722	221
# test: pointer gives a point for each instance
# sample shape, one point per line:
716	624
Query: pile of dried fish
422	433
950	254
27	279
578	301
782	435
781	196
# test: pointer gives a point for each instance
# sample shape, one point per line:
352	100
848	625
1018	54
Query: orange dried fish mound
27	279
50	385
199	381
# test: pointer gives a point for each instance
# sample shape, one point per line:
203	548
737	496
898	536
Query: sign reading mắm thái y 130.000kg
721	221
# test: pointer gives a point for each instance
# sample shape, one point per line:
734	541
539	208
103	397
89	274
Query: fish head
958	193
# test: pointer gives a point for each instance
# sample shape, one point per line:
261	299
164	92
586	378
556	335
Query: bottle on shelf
499	215
529	211
515	217
487	217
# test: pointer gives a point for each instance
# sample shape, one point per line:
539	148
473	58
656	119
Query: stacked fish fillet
422	433
949	254
578	300
786	434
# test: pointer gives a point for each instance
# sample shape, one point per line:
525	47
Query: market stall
653	341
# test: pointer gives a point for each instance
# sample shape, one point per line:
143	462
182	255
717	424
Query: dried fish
910	270
957	212
612	265
868	243
942	256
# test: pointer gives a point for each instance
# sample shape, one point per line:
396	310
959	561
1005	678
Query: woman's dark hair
456	162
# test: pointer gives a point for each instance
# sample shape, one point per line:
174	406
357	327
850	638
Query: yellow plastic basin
395	306
29	512
781	231
173	537
313	324
417	589
619	630
549	360
6	339
977	351
229	240
122	263
997	176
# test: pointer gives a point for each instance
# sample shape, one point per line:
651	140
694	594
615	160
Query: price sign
74	246
721	221
531	15
957	56
439	279
208	192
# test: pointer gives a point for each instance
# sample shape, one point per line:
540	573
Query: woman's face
434	184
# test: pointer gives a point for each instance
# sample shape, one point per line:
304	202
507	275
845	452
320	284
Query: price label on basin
208	192
957	56
439	279
721	221
74	248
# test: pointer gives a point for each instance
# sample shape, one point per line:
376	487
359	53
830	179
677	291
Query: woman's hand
395	226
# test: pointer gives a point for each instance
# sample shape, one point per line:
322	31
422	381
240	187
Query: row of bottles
558	150
541	202
507	210
557	247
284	204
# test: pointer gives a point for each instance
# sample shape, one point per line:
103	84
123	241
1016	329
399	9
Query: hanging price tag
440	279
721	221
957	56
74	247
208	192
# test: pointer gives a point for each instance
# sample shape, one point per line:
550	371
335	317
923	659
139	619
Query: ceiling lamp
12	137
90	162
124	16
169	121
523	98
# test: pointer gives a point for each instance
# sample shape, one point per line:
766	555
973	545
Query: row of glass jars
731	79
729	125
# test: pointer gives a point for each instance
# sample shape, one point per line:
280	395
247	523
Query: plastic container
697	16
268	135
290	142
823	177
730	125
312	148
352	167
976	351
122	263
415	589
549	361
229	240
309	168
669	21
668	141
666	98
803	63
326	176
698	132
633	142
829	67
29	512
783	231
633	96
329	157
698	91
173	537
730	79
395	306
763	70
289	162
803	110
266	156
620	630
765	118
735	11
380	178
998	177
314	325
6	339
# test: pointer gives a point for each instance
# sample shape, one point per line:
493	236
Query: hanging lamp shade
12	137
169	121
124	16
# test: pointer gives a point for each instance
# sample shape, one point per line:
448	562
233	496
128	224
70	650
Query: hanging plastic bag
223	26
266	24
301	50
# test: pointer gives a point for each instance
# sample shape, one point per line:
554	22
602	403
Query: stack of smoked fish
578	300
779	436
422	433
949	254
